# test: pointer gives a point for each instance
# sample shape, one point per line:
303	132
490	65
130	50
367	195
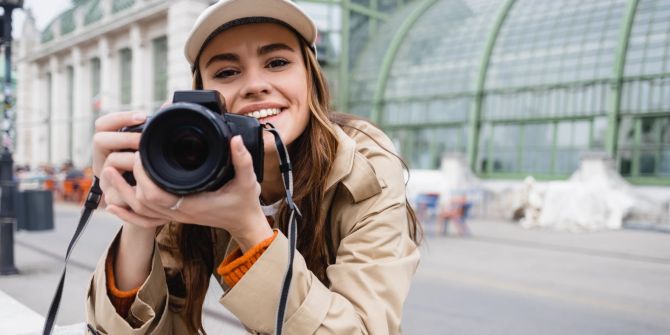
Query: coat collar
344	158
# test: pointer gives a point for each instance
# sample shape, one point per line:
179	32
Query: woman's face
259	70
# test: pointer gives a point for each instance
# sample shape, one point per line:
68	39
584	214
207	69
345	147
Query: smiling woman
357	236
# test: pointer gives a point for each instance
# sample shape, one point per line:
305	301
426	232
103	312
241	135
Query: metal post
7	214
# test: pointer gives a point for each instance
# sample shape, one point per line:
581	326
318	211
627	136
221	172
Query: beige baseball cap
227	13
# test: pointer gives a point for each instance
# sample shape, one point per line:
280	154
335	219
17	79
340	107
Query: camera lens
188	148
184	149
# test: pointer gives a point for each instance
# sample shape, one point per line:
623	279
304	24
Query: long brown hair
312	155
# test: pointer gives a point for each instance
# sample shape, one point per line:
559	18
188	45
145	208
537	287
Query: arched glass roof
531	84
551	42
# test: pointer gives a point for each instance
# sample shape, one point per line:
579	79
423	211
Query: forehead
253	35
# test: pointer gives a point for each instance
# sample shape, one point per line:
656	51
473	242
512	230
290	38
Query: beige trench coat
370	279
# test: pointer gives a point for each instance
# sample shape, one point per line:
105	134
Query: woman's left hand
234	207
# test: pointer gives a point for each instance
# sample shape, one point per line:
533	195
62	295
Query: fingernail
139	116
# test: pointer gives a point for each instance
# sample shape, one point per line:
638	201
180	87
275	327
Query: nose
255	84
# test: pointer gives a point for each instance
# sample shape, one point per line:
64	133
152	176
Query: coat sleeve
152	312
370	279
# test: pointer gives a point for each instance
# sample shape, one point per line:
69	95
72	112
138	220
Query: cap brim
223	12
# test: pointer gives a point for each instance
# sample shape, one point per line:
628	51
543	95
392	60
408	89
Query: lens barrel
185	148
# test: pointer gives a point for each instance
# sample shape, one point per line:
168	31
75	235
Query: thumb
242	160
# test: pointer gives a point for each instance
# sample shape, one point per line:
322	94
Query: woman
357	239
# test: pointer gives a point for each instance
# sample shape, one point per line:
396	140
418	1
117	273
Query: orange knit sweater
231	269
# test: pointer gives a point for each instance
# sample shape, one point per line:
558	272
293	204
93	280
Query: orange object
49	184
84	186
233	268
122	300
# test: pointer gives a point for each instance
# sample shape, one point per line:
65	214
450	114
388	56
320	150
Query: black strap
95	194
285	167
92	201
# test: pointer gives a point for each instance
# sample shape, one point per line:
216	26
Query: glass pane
160	70
599	133
505	154
625	162
647	163
664	166
421	155
537	147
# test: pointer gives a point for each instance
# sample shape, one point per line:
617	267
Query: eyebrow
223	57
264	50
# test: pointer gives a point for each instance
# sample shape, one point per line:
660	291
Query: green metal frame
475	113
343	78
347	7
617	80
389	57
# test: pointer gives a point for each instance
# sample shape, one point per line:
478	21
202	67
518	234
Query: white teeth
264	113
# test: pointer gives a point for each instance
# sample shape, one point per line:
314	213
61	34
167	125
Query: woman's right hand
114	154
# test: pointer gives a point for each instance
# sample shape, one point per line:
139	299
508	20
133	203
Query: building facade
99	56
102	56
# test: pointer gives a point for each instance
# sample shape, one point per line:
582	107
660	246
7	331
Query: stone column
38	148
58	116
81	125
106	82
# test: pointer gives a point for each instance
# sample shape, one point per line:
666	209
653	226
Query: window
160	71
126	65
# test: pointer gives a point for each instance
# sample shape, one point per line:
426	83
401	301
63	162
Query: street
501	280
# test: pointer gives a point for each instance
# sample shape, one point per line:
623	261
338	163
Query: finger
148	192
127	194
121	161
116	121
242	161
115	141
134	218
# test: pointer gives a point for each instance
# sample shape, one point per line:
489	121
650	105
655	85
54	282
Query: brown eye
226	73
275	63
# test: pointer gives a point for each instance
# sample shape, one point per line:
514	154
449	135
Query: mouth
265	113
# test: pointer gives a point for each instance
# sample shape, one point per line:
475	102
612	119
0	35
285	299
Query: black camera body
185	147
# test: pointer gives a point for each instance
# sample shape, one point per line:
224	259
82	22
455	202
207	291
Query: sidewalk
39	258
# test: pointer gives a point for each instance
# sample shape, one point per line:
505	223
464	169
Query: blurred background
536	132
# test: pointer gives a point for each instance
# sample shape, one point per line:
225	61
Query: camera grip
130	178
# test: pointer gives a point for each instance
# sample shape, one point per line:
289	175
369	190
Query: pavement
501	280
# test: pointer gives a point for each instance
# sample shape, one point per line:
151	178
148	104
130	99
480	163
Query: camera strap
95	195
92	201
287	178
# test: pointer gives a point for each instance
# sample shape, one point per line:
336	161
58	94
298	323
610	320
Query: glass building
521	86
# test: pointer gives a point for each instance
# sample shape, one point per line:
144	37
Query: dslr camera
185	147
